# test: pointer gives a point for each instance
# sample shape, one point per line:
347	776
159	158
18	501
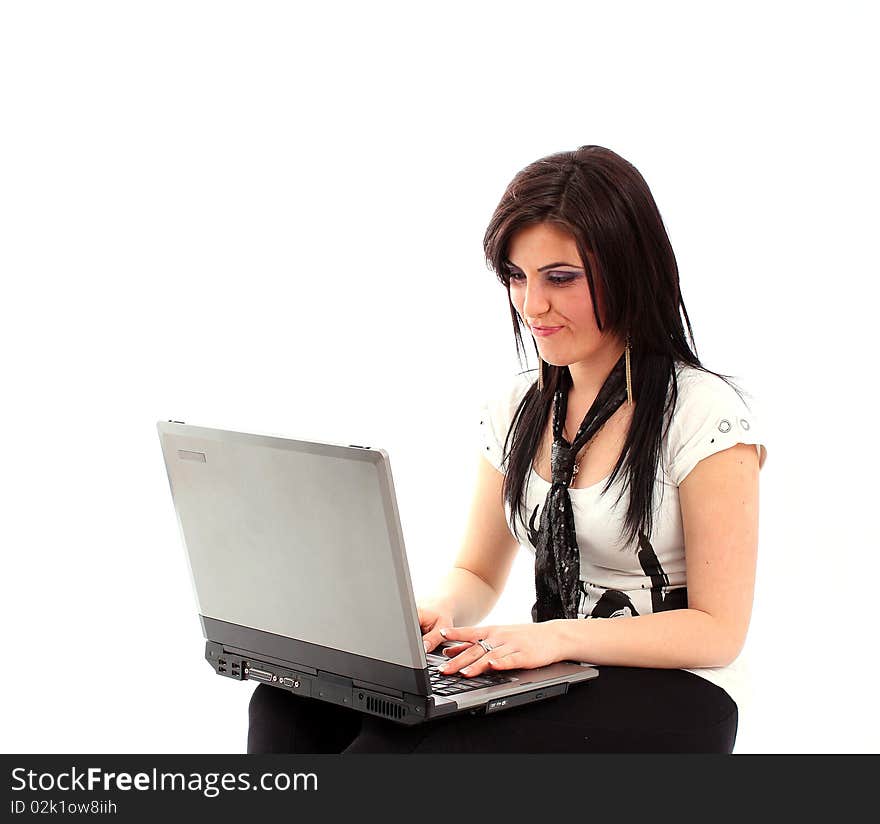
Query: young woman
628	469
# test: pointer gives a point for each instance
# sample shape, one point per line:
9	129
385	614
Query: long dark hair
604	203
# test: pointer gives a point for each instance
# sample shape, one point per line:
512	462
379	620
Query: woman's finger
509	660
463	659
431	639
456	649
465	633
483	664
477	662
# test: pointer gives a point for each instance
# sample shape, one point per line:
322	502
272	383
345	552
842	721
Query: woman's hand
433	616
514	646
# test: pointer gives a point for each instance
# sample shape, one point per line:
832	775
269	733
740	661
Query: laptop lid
294	539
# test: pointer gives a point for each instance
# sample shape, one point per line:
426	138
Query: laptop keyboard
448	684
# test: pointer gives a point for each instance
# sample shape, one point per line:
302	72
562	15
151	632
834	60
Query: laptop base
240	665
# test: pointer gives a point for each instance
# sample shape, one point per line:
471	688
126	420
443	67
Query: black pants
625	709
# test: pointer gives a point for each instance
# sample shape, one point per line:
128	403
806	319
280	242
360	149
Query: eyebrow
548	266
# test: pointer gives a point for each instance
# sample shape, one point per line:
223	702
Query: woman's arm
676	638
719	506
464	595
719	509
472	587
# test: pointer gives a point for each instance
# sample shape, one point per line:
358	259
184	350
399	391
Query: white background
269	216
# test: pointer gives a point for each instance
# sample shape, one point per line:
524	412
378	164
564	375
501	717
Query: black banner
232	787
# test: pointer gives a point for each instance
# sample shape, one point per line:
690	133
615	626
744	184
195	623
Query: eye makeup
557	278
518	277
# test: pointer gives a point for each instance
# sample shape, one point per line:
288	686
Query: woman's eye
556	281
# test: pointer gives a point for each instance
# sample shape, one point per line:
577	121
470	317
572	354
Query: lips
545	331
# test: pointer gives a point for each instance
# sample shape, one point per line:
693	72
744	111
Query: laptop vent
384	708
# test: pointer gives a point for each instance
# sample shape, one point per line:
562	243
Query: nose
535	302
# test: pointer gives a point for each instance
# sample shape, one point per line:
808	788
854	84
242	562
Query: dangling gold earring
629	388
540	374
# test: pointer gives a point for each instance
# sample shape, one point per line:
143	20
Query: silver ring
485	644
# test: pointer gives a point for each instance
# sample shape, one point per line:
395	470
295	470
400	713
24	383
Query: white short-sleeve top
617	580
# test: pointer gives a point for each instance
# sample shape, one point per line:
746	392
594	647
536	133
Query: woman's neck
589	375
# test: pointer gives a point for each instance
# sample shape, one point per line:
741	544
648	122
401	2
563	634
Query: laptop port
259	675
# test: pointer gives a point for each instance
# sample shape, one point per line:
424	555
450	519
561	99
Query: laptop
297	561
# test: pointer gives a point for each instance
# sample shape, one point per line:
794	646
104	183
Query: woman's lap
281	722
625	709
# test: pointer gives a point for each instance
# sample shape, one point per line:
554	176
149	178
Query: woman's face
548	287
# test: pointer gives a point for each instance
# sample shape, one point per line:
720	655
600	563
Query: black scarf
557	558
